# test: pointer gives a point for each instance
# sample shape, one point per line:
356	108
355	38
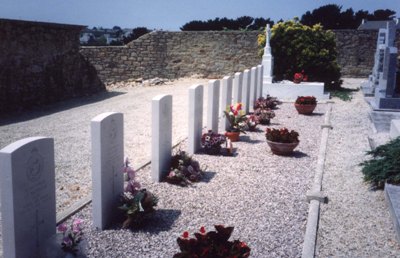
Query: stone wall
212	54
356	50
176	54
41	64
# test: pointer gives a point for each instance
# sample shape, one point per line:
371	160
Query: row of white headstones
27	167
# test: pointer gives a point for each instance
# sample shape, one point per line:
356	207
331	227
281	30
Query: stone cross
28	202
213	105
195	118
268	59
161	139
107	134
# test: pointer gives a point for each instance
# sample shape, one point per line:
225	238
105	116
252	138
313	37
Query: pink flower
62	227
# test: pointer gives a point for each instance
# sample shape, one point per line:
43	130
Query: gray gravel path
261	194
69	124
356	221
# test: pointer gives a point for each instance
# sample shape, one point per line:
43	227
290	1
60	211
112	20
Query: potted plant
252	122
305	105
265	103
237	119
211	142
184	170
264	115
300	77
281	141
136	202
214	244
68	242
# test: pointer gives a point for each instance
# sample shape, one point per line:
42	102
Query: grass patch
344	94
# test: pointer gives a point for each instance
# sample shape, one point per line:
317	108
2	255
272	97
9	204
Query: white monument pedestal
290	91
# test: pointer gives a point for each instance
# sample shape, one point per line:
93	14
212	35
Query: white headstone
195	118
28	203
259	80
161	141
253	87
226	101
237	87
246	90
213	105
268	59
107	135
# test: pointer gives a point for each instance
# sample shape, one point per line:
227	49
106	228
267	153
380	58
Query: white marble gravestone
253	88
246	90
259	81
237	88
28	203
195	119
161	141
226	101
107	136
213	105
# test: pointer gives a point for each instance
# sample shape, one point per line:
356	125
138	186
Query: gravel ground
356	221
262	195
69	124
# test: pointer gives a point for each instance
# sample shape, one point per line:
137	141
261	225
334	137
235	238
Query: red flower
203	230
185	234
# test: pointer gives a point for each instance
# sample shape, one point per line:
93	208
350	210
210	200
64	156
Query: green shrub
297	47
384	164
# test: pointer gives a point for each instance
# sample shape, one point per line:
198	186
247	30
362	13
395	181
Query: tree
331	16
136	33
240	23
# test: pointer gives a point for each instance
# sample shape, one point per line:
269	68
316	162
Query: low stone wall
41	64
212	54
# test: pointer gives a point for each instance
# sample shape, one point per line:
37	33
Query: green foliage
384	164
344	94
331	17
240	23
136	33
297	47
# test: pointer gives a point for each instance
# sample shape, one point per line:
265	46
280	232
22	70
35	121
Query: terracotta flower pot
233	136
283	149
305	109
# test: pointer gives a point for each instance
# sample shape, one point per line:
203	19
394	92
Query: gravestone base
394	128
392	196
290	91
367	89
384	104
381	118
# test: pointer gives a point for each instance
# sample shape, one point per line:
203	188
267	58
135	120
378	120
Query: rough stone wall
212	54
356	50
176	54
40	64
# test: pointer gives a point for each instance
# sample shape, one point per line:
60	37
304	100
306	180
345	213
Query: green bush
384	166
297	47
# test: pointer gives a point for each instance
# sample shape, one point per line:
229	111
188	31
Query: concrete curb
315	195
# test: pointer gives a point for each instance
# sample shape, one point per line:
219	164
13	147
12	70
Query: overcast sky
168	14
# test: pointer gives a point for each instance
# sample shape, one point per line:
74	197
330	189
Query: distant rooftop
376	25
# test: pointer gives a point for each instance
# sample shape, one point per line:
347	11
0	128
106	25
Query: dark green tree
136	33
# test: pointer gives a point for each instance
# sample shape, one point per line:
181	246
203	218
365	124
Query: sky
169	14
